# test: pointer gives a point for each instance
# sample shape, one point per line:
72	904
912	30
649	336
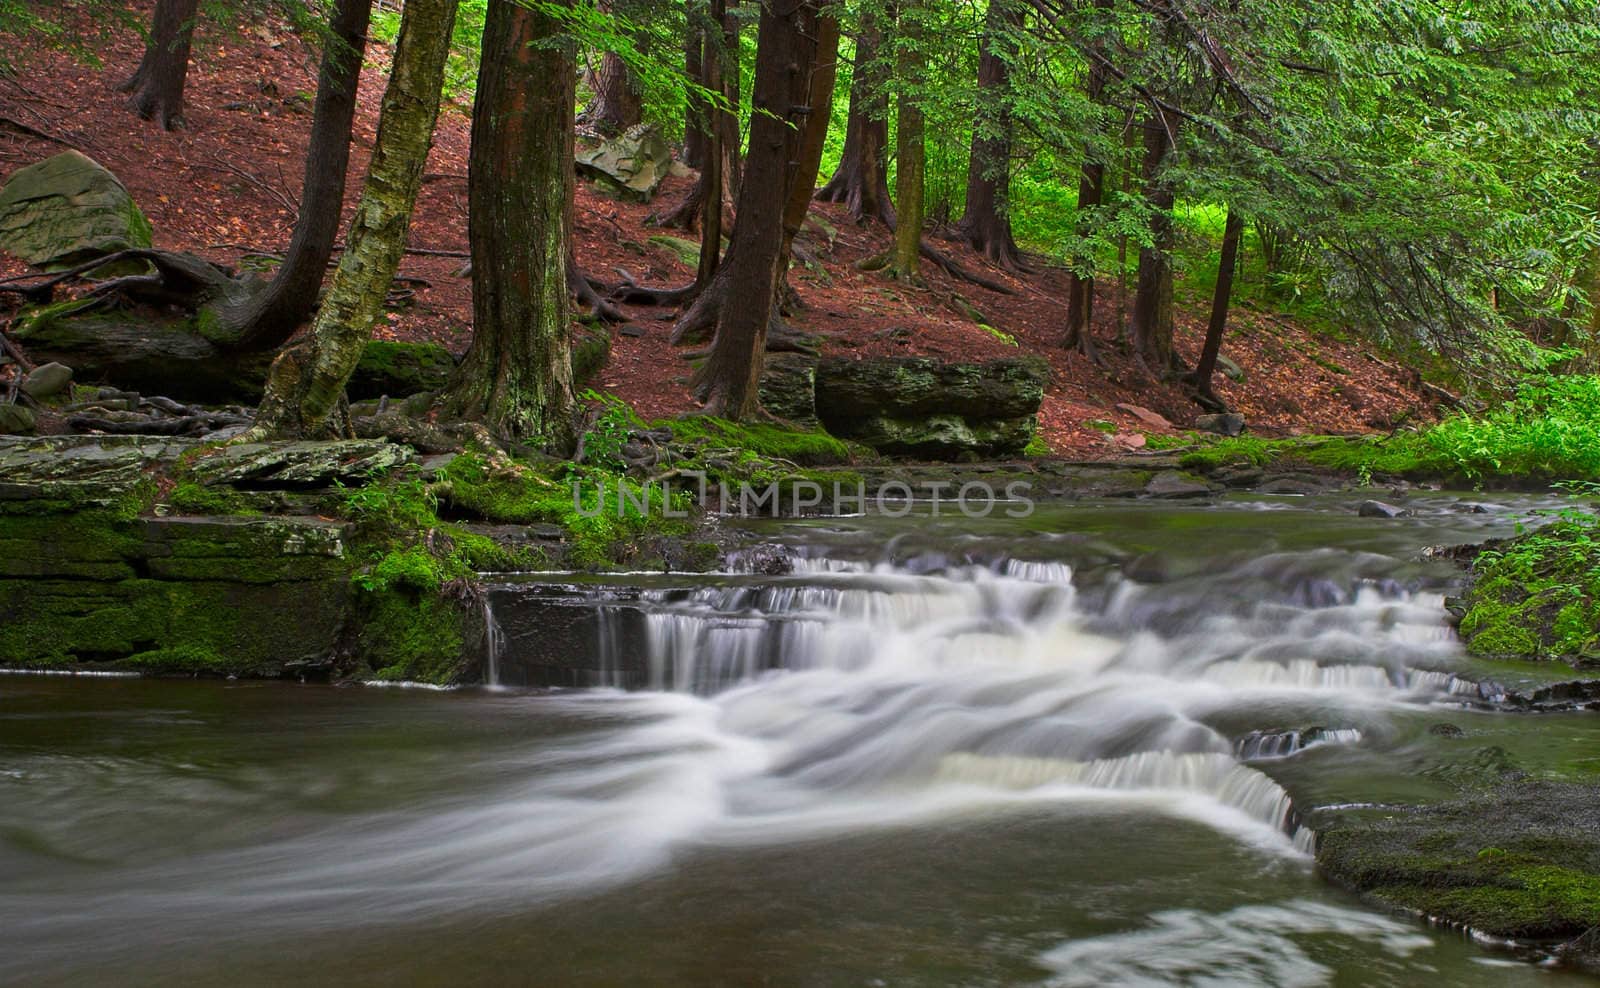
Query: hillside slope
226	187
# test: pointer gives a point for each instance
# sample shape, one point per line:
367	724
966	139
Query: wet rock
1175	484
1225	424
1154	420
1444	730
68	209
1379	509
789	387
47	380
1239	476
926	407
1293	484
1152	567
634	164
16	420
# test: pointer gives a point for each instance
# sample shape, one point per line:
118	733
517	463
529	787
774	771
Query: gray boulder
1226	424
47	380
920	406
1176	484
1378	509
635	163
66	210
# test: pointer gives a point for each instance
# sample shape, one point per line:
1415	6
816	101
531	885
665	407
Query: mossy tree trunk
696	115
305	388
517	375
910	151
158	83
1151	322
861	181
742	292
266	320
617	104
985	224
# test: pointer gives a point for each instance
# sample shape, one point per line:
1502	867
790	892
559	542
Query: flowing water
1083	748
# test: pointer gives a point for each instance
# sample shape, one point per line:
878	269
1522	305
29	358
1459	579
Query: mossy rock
67	209
400	370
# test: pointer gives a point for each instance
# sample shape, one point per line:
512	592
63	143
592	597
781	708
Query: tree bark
1151	322
742	291
305	387
517	376
985	224
1220	300
616	105
265	321
1091	193
711	178
697	121
814	136
861	181
910	153
157	85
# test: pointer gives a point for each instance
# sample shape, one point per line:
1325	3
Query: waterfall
494	642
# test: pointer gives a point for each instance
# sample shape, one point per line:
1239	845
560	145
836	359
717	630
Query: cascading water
494	643
936	681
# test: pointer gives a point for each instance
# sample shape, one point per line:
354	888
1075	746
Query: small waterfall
1216	776
928	681
1267	745
494	643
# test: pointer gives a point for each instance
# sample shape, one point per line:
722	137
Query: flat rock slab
81	467
299	464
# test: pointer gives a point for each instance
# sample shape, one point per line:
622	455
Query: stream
1086	747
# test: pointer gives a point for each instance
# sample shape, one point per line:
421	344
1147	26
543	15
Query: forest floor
226	186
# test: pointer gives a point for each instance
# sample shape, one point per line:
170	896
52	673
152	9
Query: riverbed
1089	746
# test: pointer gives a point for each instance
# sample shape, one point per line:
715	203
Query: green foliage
1551	429
609	432
1538	596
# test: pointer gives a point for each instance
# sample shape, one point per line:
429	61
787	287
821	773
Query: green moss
800	446
1403	455
199	499
1538	595
417	638
1528	901
191	659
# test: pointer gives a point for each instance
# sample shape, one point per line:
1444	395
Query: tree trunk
814	136
267	320
517	376
861	181
305	388
157	85
616	105
785	55
1206	367
1091	193
985	225
711	177
1151	324
910	153
696	115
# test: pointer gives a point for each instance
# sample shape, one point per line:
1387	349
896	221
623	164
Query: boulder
1229	368
1225	424
788	387
1175	484
1154	420
47	380
15	420
591	348
635	162
1378	509
400	370
66	210
925	407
